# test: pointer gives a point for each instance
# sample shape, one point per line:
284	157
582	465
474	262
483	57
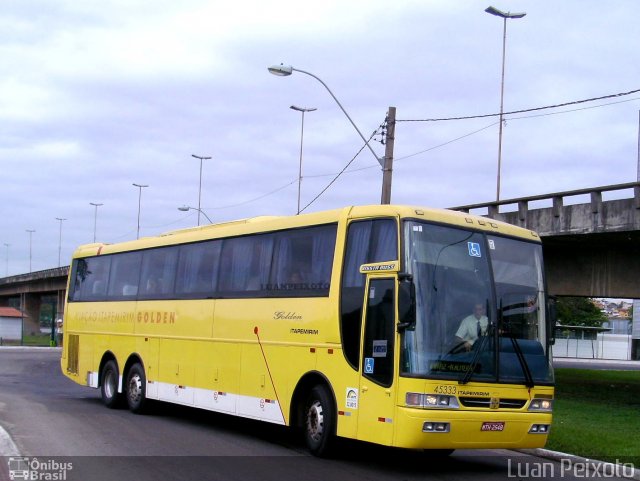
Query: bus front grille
485	402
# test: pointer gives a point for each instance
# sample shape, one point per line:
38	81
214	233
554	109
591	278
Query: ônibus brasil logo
33	469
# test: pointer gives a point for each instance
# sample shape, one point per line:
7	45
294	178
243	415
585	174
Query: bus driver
472	327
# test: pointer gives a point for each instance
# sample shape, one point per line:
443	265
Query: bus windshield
480	307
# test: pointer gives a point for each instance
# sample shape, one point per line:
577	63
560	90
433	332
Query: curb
7	446
619	470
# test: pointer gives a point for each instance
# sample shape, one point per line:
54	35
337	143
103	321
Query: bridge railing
557	199
44	274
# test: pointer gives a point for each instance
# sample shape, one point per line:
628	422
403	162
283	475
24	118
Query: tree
579	311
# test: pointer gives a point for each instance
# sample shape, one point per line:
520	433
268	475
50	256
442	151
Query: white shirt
468	330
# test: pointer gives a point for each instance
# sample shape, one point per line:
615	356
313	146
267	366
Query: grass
41	340
597	415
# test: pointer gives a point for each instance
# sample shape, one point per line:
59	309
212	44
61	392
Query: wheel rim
315	421
135	389
109	384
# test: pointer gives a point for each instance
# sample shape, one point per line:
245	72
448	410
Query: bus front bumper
467	429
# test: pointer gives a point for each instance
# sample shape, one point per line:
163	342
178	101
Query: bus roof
273	223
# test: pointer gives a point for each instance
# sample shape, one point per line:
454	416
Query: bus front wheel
109	387
136	389
319	421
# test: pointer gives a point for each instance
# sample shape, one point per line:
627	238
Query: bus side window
368	241
245	265
380	330
92	275
125	275
158	272
303	261
198	269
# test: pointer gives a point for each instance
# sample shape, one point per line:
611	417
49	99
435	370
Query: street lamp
95	218
186	208
30	231
303	110
200	187
504	16
286	70
140	187
60	239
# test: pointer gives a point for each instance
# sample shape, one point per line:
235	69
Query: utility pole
387	170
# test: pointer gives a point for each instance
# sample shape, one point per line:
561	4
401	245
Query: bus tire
438	453
319	421
136	389
109	386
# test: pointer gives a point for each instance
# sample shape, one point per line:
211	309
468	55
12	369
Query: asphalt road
66	427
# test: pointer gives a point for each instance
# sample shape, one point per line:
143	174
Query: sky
98	95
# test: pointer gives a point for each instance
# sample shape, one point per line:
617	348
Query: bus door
376	403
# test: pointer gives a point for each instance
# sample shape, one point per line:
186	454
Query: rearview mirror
406	303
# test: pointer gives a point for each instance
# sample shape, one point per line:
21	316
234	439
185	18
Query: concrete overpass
592	248
28	291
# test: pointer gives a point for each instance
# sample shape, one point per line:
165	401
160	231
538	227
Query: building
11	321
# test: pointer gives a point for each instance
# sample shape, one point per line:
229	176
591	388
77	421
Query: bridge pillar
30	304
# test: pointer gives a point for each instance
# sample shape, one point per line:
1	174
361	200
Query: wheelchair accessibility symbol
368	365
474	249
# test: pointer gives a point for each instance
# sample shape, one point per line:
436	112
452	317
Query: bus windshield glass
480	307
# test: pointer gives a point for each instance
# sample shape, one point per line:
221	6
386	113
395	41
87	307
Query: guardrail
557	198
44	274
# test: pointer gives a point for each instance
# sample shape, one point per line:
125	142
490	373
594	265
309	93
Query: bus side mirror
406	303
552	319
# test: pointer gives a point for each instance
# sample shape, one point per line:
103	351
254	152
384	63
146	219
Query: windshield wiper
476	356
528	378
523	362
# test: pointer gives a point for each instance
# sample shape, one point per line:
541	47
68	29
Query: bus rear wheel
109	386
438	453
319	421
136	389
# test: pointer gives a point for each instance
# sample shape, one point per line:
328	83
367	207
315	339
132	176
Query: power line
534	109
448	142
575	110
340	173
255	198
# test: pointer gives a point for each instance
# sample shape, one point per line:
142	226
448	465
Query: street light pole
140	187
60	239
186	208
504	16
95	218
303	110
200	186
30	231
286	70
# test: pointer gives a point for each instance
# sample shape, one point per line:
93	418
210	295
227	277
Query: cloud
96	96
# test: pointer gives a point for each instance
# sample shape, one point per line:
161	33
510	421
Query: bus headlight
541	404
431	401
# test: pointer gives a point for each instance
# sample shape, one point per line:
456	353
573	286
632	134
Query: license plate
494	426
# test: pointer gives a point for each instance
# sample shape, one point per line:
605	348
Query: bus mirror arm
406	302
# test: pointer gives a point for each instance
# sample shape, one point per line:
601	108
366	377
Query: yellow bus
403	326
